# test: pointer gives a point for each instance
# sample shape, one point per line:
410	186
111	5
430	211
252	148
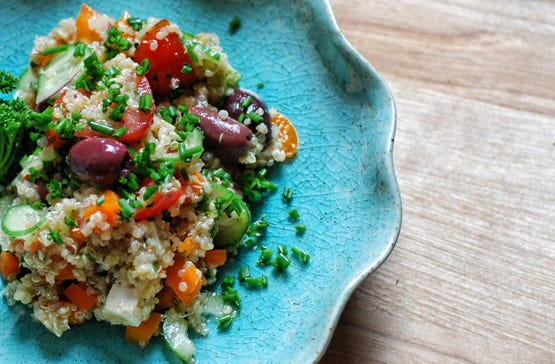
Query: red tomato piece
138	122
167	56
161	202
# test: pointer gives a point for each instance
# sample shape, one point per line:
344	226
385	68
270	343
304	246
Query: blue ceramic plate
343	179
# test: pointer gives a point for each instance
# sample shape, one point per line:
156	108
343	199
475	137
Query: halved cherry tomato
138	122
160	202
167	56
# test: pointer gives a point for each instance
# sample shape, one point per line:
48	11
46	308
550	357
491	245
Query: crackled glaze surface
343	178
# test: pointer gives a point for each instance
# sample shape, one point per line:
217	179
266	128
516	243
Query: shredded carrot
66	273
185	280
78	294
216	257
165	298
288	134
145	331
189	245
84	31
109	207
9	265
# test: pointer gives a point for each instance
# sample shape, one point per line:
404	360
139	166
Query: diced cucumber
231	227
27	87
61	70
21	220
174	330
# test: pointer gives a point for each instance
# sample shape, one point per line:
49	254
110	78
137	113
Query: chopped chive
300	229
256	282
145	102
190	46
57	49
120	132
247	102
143	68
70	222
244	273
186	69
80	49
55	237
294	215
287	195
149	192
187	153
302	255
282	260
126	210
265	256
136	23
225	322
100	200
101	128
255	117
234	24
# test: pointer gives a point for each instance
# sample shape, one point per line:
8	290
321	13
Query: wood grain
472	278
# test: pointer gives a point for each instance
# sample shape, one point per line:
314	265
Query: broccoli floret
15	122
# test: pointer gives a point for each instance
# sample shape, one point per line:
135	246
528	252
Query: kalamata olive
239	103
227	138
99	160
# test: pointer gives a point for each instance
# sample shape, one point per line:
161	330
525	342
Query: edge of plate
345	46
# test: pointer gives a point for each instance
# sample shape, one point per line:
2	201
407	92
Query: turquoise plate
343	179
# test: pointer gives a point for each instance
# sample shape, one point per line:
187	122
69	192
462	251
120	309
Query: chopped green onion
256	282
55	237
265	257
80	49
287	195
120	132
234	24
101	128
145	102
225	322
70	222
302	255
149	192
126	210
100	200
294	215
300	229
282	260
190	46
244	273
143	68
187	153
57	49
186	69
255	117
247	102
136	23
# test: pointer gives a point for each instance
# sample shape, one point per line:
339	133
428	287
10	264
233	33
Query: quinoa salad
130	184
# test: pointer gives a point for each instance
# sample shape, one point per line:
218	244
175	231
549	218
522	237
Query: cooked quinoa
115	226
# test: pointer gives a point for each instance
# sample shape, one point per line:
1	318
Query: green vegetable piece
233	217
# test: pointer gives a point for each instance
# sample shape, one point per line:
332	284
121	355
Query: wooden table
472	278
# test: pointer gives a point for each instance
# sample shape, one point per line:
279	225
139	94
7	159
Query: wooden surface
472	278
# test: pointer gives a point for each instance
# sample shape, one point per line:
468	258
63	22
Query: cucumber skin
230	230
